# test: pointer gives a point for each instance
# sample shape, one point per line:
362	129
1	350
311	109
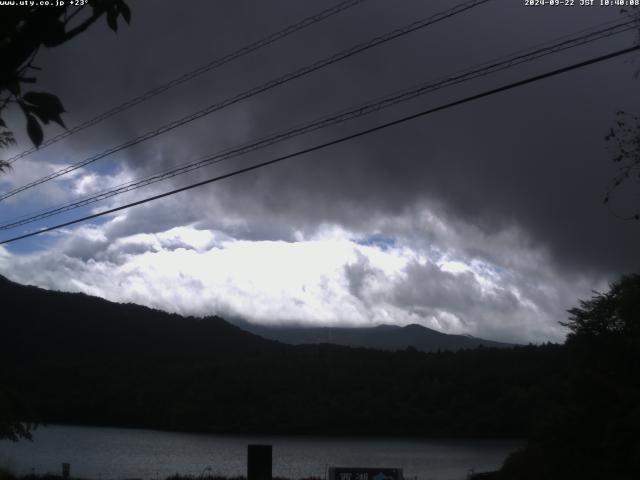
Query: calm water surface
116	453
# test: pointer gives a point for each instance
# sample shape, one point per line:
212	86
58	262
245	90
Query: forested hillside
78	359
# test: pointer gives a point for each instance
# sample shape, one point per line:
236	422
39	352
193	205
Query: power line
361	110
304	23
343	139
329	120
259	89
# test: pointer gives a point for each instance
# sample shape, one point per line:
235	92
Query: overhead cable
263	42
412	27
350	114
340	140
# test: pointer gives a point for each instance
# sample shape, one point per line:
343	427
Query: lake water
117	453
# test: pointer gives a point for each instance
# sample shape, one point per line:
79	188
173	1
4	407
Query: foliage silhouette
12	409
624	140
26	29
594	432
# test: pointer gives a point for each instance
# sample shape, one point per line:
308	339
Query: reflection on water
115	453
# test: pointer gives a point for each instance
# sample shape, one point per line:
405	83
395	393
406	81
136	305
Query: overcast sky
485	219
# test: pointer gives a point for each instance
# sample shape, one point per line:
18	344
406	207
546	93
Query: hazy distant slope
383	337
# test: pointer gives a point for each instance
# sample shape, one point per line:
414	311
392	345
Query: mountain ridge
78	321
383	337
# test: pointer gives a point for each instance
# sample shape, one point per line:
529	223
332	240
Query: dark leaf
125	11
55	33
59	121
46	117
45	100
46	106
42	115
34	130
112	16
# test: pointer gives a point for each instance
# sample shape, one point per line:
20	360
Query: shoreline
330	435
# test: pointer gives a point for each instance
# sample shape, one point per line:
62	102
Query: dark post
66	470
259	462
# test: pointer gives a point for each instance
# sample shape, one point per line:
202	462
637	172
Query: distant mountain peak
381	337
386	326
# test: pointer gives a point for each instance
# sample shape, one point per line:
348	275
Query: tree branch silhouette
24	31
27	29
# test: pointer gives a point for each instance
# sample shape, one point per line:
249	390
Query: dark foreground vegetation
592	431
70	358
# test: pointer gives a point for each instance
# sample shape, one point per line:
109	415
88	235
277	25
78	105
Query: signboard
364	473
259	462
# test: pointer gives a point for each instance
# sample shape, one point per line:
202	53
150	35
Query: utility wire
489	67
361	110
304	23
343	139
259	89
